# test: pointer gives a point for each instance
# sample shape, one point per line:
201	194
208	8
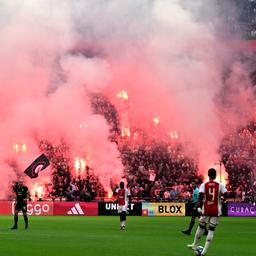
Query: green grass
157	236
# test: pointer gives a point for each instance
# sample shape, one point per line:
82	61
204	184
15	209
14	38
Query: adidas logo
76	210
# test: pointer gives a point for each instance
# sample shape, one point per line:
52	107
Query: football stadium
128	127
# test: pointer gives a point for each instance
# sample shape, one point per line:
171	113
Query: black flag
37	166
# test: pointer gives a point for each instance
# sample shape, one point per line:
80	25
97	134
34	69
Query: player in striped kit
209	205
123	199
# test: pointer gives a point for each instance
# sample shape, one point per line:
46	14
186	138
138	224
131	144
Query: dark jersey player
195	213
209	205
22	196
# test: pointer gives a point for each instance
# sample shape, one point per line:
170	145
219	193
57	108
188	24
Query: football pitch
52	236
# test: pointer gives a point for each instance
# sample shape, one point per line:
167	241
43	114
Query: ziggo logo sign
36	209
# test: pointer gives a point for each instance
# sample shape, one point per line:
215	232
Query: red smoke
55	55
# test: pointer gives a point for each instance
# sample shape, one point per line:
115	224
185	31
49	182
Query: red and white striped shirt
212	192
122	196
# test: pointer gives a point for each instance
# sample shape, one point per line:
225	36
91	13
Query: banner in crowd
241	209
163	209
110	208
53	208
5	207
38	208
37	166
33	208
76	208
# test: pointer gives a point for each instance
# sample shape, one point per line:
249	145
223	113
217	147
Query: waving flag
37	166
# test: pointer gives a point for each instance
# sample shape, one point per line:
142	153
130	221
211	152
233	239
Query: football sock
208	241
198	235
191	225
26	221
121	219
124	213
16	220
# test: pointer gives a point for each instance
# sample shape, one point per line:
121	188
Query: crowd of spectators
240	17
64	185
60	164
238	152
159	171
156	170
85	189
102	106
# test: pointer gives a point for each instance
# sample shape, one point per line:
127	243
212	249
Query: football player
195	213
123	200
22	196
209	206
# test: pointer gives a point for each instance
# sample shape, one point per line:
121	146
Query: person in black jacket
22	196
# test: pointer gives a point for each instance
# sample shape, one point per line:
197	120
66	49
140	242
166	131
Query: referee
22	195
195	213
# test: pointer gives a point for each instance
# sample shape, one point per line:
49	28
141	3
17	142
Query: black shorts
195	212
21	206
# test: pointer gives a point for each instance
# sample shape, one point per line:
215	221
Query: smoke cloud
165	54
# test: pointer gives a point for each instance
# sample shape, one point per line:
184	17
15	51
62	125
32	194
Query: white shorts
212	221
122	208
